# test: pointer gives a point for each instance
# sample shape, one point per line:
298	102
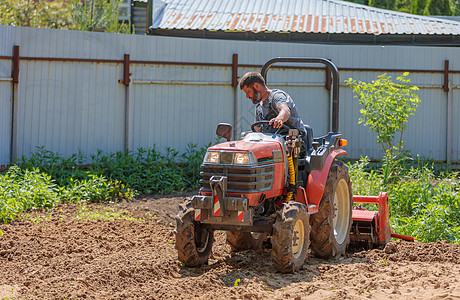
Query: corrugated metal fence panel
5	118
306	89
67	106
428	121
174	115
455	119
6	49
6	36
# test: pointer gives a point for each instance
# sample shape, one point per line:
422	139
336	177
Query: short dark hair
250	78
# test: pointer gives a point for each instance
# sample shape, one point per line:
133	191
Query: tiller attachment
373	227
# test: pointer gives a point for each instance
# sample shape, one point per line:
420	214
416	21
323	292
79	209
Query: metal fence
68	91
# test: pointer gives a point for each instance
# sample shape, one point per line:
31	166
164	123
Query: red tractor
276	186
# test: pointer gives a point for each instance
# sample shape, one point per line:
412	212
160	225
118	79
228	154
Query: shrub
21	190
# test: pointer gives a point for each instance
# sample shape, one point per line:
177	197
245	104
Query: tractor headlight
241	158
211	157
229	158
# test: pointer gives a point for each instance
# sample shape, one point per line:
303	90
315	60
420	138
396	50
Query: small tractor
279	188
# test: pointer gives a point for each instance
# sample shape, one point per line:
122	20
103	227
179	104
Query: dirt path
55	255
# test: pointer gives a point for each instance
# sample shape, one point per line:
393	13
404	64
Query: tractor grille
240	179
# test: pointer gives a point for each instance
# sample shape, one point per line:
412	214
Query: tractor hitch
219	208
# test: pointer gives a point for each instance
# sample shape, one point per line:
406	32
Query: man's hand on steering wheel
276	122
255	127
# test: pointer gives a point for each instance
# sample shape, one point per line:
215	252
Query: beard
257	96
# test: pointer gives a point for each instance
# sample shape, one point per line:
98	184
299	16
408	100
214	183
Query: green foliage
93	188
97	15
386	4
403	5
418	7
455	7
366	181
46	177
386	107
437	8
89	15
424	203
45	14
21	190
144	171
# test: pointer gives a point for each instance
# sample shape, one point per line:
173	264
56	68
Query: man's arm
284	113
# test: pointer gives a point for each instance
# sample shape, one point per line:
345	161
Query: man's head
253	84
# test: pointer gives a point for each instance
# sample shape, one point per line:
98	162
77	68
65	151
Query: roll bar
335	80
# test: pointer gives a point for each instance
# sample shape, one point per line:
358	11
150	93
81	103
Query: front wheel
240	241
330	227
193	240
290	239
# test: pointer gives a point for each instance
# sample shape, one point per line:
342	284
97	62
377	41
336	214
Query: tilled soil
77	252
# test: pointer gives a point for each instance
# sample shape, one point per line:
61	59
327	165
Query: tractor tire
330	227
193	240
240	241
291	237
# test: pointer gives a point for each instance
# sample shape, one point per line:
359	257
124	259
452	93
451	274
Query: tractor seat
308	140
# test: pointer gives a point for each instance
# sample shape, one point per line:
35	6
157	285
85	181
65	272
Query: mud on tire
330	227
193	240
290	239
240	241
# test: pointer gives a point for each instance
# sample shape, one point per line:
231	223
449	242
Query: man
274	105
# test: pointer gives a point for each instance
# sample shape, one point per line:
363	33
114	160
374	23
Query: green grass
105	213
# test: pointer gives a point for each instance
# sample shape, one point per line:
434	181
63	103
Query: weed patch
45	178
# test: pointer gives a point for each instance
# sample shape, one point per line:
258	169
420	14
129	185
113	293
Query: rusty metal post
236	106
445	86
449	123
14	106
126	81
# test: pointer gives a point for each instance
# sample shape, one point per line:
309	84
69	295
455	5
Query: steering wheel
268	122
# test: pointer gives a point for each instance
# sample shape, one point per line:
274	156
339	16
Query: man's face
252	93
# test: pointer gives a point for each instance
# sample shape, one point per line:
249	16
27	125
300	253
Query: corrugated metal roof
303	16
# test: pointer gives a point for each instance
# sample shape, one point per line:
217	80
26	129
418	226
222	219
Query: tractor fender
317	178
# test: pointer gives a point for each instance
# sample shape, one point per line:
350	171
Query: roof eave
329	38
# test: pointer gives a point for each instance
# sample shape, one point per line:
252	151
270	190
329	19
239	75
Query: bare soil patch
55	255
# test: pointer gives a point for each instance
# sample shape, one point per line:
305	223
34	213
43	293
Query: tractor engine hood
261	149
261	144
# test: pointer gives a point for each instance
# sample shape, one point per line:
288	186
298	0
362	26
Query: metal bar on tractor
402	237
366	199
335	80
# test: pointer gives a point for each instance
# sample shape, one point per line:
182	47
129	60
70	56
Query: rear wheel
193	240
240	241
291	237
330	227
